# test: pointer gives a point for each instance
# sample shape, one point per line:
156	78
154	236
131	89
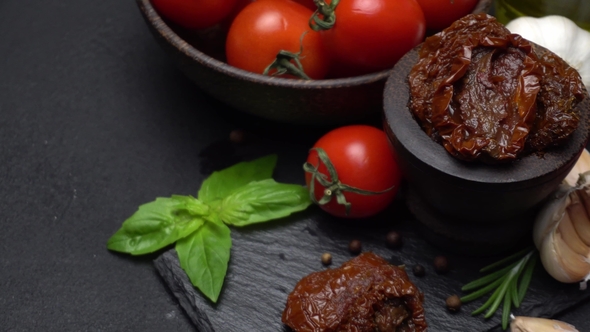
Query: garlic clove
581	221
558	236
552	262
575	265
581	166
568	231
579	60
550	214
562	230
532	324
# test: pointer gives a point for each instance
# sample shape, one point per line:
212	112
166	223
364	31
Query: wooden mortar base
470	237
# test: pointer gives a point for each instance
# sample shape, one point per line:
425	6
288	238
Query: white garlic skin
550	214
561	36
532	324
581	166
562	233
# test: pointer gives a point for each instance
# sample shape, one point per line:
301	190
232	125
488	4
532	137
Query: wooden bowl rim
171	37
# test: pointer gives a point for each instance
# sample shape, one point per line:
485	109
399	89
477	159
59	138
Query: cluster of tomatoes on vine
316	38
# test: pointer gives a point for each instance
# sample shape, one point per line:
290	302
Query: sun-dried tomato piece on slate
365	294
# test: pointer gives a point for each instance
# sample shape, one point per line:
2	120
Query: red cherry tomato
308	3
264	28
363	159
441	13
240	5
194	14
372	35
243	3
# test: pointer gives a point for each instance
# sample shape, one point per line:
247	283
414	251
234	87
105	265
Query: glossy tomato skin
372	35
239	6
308	3
195	14
265	27
440	14
363	158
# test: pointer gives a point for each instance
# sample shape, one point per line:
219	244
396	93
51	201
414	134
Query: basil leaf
204	256
158	224
221	183
261	201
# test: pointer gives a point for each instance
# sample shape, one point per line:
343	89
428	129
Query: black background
94	121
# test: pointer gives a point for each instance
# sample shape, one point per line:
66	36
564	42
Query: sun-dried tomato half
365	294
486	94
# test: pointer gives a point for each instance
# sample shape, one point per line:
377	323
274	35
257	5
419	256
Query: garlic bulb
561	36
581	166
562	233
532	324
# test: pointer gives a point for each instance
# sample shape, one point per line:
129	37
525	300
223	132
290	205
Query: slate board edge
168	266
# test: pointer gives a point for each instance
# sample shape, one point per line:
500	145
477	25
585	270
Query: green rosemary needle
508	284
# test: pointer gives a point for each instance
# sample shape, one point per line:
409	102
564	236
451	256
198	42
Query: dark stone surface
94	121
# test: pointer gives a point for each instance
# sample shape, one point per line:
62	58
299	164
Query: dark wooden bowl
319	102
467	194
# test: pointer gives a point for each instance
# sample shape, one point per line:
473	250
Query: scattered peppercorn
237	136
419	270
441	265
394	239
453	303
326	258
355	247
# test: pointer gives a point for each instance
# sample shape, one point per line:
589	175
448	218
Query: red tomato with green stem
351	172
440	14
195	14
265	28
371	35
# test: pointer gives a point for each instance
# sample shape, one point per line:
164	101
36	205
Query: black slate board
267	260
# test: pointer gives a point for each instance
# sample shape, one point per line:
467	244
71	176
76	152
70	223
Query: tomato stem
324	17
333	186
283	65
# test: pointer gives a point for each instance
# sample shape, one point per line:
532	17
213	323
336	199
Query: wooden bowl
460	194
319	102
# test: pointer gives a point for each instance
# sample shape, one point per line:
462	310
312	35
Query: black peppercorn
326	258
441	265
419	270
394	239
453	303
355	247
237	136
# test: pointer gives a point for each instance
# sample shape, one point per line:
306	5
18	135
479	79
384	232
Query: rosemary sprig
509	284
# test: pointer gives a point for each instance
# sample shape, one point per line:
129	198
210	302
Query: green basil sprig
240	195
